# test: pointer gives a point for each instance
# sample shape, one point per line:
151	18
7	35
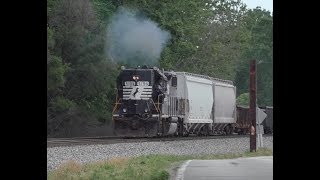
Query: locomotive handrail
117	102
158	101
154	104
114	108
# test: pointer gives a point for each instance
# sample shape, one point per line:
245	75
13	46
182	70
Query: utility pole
252	111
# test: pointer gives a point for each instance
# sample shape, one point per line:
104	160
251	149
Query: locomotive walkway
228	169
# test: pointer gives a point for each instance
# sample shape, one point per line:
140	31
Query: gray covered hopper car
211	103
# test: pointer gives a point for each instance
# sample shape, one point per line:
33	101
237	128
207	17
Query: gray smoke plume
134	39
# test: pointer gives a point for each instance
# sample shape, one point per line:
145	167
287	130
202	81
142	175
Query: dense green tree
207	36
243	99
260	24
80	77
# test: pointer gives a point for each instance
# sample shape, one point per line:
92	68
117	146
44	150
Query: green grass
149	167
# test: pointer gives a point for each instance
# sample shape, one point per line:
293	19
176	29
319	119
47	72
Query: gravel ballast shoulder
92	153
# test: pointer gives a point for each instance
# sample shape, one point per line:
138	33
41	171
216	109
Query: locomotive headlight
124	110
135	77
146	110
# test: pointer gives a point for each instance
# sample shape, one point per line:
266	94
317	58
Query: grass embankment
153	167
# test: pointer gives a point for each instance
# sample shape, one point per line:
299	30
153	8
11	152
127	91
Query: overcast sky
264	4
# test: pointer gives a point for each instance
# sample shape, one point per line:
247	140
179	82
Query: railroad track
53	142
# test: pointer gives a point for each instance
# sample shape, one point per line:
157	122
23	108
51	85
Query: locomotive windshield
132	77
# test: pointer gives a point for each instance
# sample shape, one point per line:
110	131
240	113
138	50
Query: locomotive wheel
205	130
228	130
180	127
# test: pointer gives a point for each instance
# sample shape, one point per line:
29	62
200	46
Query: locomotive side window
174	82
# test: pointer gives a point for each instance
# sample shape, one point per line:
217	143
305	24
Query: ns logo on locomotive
152	102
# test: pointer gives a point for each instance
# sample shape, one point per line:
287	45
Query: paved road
260	168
